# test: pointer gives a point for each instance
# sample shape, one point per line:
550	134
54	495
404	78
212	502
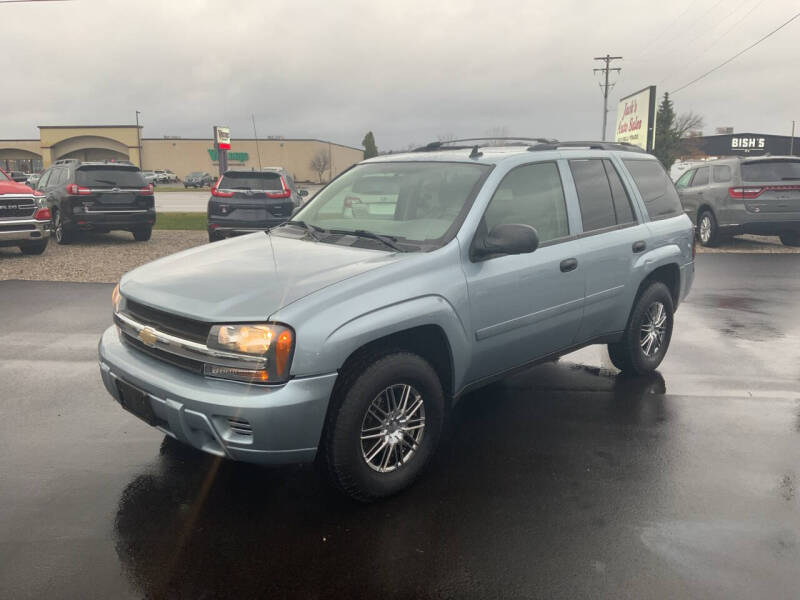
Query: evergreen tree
667	141
370	149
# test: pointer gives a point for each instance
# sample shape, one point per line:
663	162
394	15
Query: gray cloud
409	70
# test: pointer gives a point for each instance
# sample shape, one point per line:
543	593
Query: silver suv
346	334
729	196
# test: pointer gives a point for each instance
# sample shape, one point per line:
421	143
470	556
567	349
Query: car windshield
100	177
771	170
417	202
250	180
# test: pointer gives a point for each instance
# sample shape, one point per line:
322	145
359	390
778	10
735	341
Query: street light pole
139	139
791	141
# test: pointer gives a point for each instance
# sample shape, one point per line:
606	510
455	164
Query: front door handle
569	264
639	246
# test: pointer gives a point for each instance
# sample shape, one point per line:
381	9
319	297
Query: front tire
383	425
648	333
33	247
707	229
790	238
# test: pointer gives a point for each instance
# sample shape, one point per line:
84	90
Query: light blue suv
346	334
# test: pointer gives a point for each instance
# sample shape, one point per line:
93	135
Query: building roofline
261	139
89	126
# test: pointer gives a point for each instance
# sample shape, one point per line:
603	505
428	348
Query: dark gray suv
733	195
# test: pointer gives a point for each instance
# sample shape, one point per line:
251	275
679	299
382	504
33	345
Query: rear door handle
639	246
569	264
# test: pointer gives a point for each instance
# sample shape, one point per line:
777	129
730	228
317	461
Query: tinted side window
594	194
57	177
701	177
44	180
683	180
531	195
722	173
622	203
658	193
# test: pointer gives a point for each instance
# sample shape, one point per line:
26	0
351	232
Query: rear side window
701	177
594	194
683	180
622	203
233	180
658	192
722	174
771	170
109	177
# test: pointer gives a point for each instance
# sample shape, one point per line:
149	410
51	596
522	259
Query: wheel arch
670	275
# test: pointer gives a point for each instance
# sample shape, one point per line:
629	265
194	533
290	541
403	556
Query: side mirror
512	238
303	193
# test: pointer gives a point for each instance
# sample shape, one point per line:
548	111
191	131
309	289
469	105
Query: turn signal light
147	190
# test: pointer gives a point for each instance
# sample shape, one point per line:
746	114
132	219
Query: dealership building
740	144
179	155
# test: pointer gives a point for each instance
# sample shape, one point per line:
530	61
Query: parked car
198	179
347	336
734	195
247	201
24	217
18	176
150	177
165	176
98	196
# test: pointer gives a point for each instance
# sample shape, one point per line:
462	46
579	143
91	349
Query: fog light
248	375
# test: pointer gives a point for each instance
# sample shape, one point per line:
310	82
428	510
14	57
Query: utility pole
791	142
606	86
255	133
139	139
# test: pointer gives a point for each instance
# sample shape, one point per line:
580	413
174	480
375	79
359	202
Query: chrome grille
189	329
16	208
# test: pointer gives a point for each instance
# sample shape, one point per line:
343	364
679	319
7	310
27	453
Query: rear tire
383	425
213	236
142	234
790	238
33	247
707	229
61	232
646	338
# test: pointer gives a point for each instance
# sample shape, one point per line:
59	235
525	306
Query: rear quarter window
657	190
109	177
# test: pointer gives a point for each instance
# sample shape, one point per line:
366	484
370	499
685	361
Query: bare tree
497	132
687	122
320	163
445	137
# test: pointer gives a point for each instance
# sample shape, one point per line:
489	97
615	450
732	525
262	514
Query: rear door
771	186
112	188
613	236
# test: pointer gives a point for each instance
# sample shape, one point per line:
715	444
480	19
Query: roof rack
494	141
623	146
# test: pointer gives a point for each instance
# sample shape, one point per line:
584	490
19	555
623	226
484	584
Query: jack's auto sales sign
636	118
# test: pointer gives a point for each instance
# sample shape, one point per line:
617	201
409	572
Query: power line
737	55
606	86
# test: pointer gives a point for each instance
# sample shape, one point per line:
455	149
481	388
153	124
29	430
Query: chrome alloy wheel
653	329
392	429
59	228
705	229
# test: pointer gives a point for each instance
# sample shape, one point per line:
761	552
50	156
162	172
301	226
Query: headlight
273	342
115	298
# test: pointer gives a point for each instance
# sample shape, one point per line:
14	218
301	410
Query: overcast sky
409	70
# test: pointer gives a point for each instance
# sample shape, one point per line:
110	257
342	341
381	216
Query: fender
381	322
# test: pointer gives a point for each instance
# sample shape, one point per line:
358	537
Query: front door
525	306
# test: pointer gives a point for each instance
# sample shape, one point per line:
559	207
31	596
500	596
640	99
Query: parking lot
566	481
196	200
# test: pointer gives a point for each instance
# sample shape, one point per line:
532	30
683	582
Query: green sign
234	156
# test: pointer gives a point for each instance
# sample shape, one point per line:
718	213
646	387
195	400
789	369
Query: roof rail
623	146
66	161
492	141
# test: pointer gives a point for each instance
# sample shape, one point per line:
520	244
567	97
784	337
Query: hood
246	278
12	187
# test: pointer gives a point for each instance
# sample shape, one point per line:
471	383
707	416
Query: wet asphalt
566	481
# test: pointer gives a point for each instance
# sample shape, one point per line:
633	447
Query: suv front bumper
250	423
14	232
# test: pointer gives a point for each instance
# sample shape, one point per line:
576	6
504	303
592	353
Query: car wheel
383	425
646	338
62	234
707	229
142	233
790	238
33	247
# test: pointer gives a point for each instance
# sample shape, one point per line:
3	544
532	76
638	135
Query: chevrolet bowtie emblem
148	337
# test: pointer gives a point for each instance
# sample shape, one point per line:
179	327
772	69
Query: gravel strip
105	257
95	257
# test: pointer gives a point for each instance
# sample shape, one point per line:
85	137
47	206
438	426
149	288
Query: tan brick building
180	155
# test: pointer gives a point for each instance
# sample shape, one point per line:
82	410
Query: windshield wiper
312	230
387	240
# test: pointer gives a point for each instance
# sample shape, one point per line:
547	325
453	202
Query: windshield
771	170
417	202
100	177
250	181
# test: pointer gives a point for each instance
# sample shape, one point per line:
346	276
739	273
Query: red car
24	217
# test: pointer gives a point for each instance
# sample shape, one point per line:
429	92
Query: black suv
98	196
246	201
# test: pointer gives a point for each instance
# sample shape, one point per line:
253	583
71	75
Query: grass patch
182	220
178	188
